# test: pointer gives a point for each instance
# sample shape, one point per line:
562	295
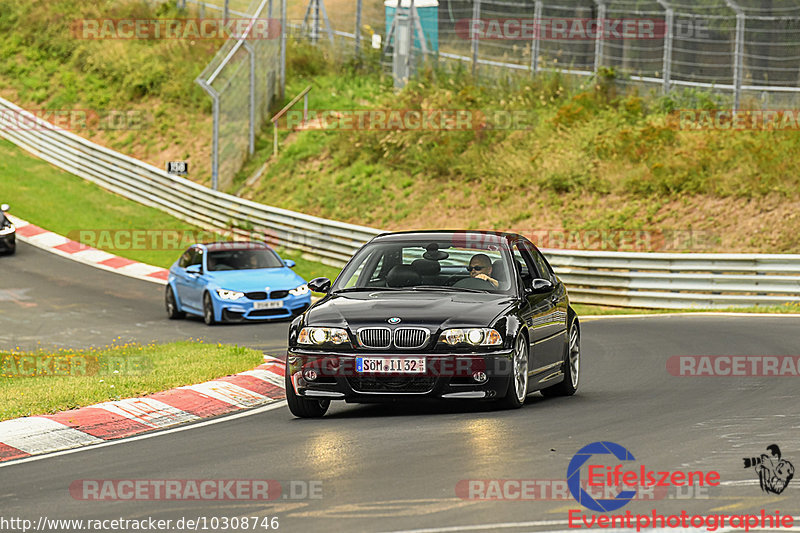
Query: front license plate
268	305
391	365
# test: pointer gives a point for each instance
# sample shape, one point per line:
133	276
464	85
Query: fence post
476	15
358	27
315	22
537	19
738	65
669	17
215	144
598	41
252	134
226	11
283	49
410	37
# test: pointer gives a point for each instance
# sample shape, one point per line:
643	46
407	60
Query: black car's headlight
8	229
471	336
320	336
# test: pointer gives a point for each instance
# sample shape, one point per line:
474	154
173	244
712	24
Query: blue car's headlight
300	291
229	295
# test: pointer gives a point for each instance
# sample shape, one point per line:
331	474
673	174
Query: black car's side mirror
320	285
539	286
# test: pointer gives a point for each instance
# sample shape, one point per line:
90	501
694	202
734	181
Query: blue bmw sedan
234	282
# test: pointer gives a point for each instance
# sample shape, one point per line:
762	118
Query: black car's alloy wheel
303	407
172	305
571	367
518	384
208	310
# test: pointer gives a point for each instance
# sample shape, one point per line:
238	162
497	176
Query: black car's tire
172	305
208	310
303	407
571	366
518	384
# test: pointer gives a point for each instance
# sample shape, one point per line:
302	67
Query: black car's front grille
400	385
375	337
382	337
258	295
277	295
410	337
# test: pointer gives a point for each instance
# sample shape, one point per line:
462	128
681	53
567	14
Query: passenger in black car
480	267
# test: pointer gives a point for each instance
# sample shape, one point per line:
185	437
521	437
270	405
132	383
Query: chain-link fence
749	49
243	80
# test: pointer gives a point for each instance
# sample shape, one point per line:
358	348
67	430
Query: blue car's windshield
242	260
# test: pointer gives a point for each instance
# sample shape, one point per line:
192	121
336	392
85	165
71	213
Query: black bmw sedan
8	243
435	314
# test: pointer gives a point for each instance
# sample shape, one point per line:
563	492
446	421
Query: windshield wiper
440	288
361	289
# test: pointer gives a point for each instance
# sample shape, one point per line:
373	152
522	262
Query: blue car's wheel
172	305
208	310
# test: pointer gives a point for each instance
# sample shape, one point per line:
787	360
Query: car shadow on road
423	408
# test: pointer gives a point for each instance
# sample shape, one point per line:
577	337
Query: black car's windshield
424	265
242	260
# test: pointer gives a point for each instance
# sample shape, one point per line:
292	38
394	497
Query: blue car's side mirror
289	263
194	269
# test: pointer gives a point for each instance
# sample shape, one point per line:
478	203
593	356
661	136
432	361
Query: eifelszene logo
617	476
774	473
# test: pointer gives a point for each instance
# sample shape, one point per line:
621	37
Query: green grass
88	376
67	205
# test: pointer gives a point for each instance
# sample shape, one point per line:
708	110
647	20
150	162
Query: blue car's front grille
259	295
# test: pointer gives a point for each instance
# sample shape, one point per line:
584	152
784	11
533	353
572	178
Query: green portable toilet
428	11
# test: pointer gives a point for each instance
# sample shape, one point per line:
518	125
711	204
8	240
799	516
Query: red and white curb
58	244
34	435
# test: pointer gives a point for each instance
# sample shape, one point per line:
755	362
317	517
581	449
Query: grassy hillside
43	66
594	157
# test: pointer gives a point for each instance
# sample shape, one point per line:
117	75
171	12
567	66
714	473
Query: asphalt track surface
396	467
50	301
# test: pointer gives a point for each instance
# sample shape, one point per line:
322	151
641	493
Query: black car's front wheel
172	305
303	407
571	366
518	384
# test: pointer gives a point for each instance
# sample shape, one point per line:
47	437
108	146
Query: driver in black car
480	267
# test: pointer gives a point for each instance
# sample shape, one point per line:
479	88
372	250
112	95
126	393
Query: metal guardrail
628	279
